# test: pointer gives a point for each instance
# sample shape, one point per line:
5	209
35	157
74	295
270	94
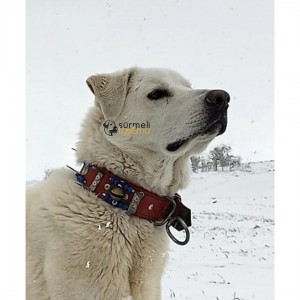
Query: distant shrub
47	173
219	157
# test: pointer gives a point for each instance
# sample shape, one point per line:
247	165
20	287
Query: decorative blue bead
114	181
128	188
80	178
107	197
122	205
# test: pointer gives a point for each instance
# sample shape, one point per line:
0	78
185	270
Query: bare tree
235	161
220	156
195	160
47	173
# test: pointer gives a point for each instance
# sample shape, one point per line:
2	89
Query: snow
230	255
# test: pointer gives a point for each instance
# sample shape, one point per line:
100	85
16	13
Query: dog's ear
110	91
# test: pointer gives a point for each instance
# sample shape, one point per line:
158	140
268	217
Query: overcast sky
222	44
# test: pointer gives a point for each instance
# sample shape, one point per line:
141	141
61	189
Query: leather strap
136	200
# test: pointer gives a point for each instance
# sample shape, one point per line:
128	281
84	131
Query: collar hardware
135	200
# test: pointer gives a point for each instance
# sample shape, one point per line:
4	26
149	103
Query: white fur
78	246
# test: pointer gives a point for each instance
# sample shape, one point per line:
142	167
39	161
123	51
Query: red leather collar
135	200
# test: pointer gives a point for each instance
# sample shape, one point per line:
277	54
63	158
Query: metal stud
150	207
107	186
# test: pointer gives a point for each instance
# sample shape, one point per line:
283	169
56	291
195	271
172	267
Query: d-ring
185	227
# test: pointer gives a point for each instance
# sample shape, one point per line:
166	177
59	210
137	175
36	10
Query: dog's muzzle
217	103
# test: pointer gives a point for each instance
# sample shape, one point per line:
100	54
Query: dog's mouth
218	126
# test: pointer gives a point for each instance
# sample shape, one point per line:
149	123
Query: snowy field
230	255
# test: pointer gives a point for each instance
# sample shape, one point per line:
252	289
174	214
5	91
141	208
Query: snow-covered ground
230	255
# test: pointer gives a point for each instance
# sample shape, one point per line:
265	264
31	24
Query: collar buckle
163	222
174	219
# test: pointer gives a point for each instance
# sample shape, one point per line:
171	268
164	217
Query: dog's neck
159	174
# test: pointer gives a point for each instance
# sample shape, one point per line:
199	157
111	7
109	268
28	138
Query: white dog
83	246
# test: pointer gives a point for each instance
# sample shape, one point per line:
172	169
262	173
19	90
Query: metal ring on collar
163	222
185	227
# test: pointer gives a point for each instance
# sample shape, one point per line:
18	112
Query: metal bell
117	193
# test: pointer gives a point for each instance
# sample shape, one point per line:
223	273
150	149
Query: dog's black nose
218	98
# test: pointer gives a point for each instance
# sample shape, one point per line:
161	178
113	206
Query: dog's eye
158	94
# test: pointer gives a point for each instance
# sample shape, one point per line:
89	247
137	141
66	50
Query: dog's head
182	120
